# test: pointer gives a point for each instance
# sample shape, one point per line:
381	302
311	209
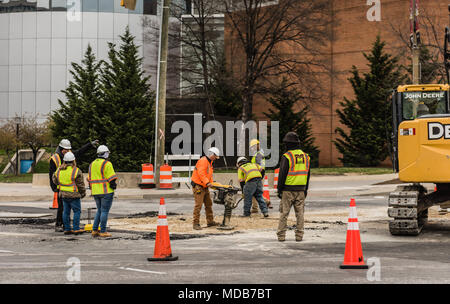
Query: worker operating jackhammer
249	176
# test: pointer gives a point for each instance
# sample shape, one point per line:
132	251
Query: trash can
25	165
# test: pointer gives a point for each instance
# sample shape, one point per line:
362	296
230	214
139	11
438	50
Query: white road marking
140	270
6	251
18	234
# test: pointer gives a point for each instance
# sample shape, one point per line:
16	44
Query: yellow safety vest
101	173
249	171
56	159
298	168
66	179
263	161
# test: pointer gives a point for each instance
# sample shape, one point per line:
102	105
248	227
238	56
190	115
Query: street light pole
17	120
415	41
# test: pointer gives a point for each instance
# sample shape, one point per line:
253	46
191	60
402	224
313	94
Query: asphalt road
36	254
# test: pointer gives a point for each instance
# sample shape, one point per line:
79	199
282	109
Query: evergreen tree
74	119
126	111
368	117
283	101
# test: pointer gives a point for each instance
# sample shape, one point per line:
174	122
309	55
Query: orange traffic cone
266	193
353	257
55	201
162	252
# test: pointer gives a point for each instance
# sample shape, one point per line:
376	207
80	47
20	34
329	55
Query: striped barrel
165	177
266	193
275	178
147	174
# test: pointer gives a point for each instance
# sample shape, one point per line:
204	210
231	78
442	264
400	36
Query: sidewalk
320	186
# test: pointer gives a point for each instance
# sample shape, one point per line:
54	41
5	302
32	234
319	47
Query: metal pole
415	47
17	148
161	90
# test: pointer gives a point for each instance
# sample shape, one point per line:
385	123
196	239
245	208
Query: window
90	6
139	7
13	6
118	8
43	5
106	6
150	7
416	104
59	5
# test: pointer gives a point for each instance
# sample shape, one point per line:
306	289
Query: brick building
355	25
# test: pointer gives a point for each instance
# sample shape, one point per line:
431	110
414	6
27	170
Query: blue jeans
75	205
254	188
104	203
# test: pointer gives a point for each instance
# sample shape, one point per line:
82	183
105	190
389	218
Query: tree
9	141
34	135
284	100
262	37
368	115
125	113
75	119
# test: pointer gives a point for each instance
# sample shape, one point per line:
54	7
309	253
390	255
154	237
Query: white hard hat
102	149
68	157
65	144
240	160
215	151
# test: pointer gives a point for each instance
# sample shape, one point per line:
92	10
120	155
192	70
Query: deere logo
436	130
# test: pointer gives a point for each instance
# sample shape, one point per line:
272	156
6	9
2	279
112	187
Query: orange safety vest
203	172
56	159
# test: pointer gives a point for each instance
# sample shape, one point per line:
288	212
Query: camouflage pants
289	199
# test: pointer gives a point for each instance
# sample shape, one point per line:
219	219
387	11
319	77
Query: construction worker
56	161
249	176
69	180
258	158
103	181
202	179
293	181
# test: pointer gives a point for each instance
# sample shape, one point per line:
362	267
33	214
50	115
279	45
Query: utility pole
161	90
415	40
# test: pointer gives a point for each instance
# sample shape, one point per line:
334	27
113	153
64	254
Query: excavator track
407	209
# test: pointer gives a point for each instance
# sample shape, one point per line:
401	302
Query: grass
21	178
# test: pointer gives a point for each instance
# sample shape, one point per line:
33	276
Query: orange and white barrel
165	177
275	178
147	174
266	193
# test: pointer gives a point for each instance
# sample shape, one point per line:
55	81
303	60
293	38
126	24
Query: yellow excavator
421	151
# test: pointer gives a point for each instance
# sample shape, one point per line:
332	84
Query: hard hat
215	151
102	149
254	142
241	160
65	144
291	137
68	157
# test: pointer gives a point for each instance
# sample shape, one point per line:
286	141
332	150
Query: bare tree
9	141
276	38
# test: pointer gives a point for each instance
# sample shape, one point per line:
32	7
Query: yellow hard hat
254	142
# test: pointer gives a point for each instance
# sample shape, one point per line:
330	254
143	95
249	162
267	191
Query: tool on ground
228	196
55	201
353	258
162	251
88	227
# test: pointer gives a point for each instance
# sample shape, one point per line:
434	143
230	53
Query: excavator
421	151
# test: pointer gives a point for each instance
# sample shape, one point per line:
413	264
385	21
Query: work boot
254	211
104	234
269	205
59	229
266	214
281	239
298	239
197	227
68	232
243	215
79	231
212	224
95	233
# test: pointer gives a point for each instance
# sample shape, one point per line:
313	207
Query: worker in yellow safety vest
69	180
293	182
55	162
258	158
249	176
103	181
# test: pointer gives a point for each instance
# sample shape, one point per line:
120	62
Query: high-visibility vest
298	167
101	173
249	171
263	161
66	179
56	159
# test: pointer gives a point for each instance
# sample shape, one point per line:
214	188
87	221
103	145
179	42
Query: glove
94	143
113	184
280	194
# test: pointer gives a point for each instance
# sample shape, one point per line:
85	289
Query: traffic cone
162	252
353	258
55	201
266	193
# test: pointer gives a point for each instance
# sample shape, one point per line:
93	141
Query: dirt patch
26	221
145	214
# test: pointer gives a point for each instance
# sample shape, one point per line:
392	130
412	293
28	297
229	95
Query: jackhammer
228	196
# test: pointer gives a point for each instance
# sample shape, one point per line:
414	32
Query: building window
150	7
106	6
59	5
188	7
43	5
14	6
139	7
118	8
90	6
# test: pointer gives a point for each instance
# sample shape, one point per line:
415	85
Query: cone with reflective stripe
353	258
162	252
55	201
266	193
275	178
